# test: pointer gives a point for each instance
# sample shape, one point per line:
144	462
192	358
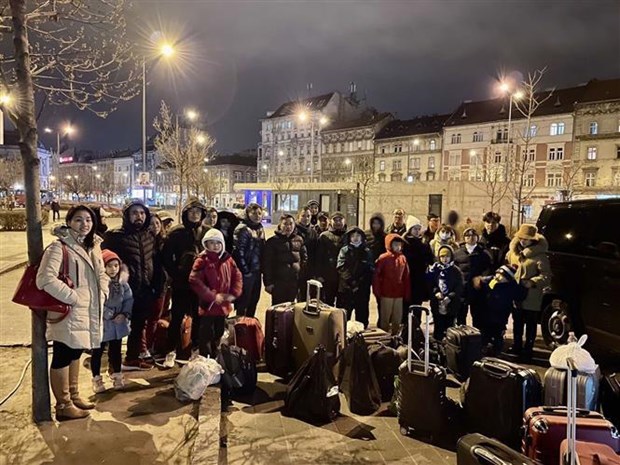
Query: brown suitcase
589	453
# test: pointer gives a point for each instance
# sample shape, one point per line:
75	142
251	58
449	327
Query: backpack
357	378
240	375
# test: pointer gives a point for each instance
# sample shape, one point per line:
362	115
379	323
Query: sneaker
136	365
145	355
98	386
171	358
118	380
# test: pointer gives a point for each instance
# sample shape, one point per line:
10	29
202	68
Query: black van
584	296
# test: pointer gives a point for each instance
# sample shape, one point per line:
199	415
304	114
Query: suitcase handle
313	283
496	370
410	337
562	410
571	412
488	456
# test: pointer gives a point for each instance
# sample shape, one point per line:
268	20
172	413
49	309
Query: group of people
121	281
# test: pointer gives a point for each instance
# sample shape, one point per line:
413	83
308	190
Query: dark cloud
408	57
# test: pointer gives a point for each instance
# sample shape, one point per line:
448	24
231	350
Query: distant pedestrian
398	225
314	207
431	228
444	236
391	284
285	258
249	242
322	224
494	239
217	282
375	235
55	206
82	327
116	317
355	268
328	249
308	233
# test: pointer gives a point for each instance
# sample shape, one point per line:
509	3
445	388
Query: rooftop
368	118
312	104
411	127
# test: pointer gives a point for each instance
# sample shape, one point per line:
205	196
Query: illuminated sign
65	159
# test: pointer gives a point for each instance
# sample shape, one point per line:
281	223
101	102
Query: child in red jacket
390	283
217	282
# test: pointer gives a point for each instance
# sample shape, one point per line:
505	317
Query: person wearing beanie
431	228
528	252
285	258
314	207
116	316
419	257
217	282
322	223
328	248
447	282
445	235
474	262
181	247
503	293
166	220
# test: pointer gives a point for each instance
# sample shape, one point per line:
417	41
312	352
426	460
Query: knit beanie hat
508	271
214	235
108	256
413	221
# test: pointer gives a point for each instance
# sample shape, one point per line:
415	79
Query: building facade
11	164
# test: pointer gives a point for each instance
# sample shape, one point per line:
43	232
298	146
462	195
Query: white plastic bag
354	327
582	358
194	378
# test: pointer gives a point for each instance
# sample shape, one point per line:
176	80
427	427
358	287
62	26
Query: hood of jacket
127	224
347	235
62	233
539	246
445	228
189	205
391	238
381	218
231	217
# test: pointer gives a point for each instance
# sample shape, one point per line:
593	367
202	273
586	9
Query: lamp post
67	130
513	96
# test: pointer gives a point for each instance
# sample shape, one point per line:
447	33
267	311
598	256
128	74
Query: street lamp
66	130
513	96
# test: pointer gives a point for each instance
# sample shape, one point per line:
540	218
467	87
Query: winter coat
428	235
229	233
532	265
181	247
211	275
310	237
501	300
393	229
391	277
248	244
355	265
419	257
136	249
82	328
285	258
497	244
119	302
376	241
448	280
328	248
476	263
437	242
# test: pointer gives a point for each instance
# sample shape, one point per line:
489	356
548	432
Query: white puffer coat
82	328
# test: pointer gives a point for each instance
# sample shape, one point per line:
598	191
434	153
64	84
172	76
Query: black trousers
246	304
141	310
528	319
355	301
477	307
55	215
114	357
330	291
211	331
184	302
493	333
63	355
284	292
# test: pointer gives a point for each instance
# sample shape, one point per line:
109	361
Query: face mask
444	236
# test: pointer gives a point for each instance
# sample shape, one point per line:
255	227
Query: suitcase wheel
404	430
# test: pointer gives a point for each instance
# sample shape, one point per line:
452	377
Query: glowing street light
191	115
201	139
166	50
5	99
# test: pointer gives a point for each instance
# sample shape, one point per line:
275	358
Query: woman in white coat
82	328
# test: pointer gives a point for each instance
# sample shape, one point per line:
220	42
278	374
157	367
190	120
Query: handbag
28	294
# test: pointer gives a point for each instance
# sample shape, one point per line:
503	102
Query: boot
74	375
65	410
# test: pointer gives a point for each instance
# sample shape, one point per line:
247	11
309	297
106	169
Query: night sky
243	58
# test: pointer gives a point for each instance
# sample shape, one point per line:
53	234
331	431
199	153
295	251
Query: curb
12	267
206	448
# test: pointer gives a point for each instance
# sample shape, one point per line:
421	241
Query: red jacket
391	277
212	275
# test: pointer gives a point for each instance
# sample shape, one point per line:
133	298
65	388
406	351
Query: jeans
246	304
211	331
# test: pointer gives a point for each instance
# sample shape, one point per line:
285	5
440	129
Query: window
615	180
529	180
593	128
433	144
430	176
557	129
454	174
382	165
414	163
554	180
555	153
288	202
502	135
396	165
456	138
592	152
396	177
530	155
238	175
478	137
398	148
381	177
431	162
498	158
533	130
383	149
618	152
589	178
455	159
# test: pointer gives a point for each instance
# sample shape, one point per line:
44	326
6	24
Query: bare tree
206	183
77	185
364	176
105	184
570	178
74	52
184	149
11	172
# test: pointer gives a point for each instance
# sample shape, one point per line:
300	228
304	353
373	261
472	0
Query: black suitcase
476	449
497	395
423	406
610	398
385	361
462	346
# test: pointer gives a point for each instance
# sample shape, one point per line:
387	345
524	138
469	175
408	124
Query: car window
606	237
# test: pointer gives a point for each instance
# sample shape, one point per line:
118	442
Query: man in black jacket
285	257
494	239
328	249
433	226
308	233
248	244
398	225
135	246
181	247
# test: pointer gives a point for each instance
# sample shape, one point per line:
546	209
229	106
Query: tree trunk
27	127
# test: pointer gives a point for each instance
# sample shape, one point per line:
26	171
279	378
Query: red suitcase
249	336
279	324
545	428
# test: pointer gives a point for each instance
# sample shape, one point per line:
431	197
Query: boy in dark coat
447	282
328	249
375	236
355	267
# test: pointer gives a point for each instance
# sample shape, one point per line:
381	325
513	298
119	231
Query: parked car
584	252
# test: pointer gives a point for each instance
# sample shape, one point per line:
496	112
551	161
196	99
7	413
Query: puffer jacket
310	237
497	244
328	249
182	246
248	244
419	257
82	328
285	258
376	241
476	263
391	277
214	274
136	249
119	302
532	265
355	265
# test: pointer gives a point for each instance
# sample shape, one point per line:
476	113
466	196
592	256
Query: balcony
502	141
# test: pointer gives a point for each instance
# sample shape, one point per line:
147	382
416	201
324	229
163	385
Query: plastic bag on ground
194	378
582	358
354	327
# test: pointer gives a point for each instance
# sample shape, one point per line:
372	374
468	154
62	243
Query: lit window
557	129
593	127
592	152
590	179
529	180
533	130
431	162
433	144
382	165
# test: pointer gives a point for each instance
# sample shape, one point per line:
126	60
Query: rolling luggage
546	427
377	336
555	383
423	405
279	323
496	396
249	336
385	361
573	452
610	398
317	324
476	449
462	347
